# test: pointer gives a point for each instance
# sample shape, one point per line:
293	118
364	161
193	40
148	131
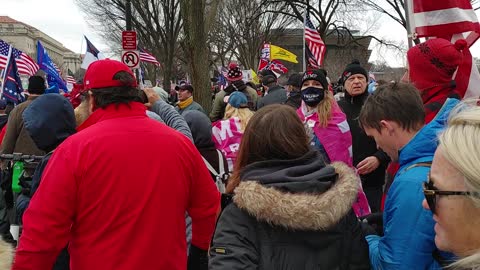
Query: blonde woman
327	127
452	191
227	133
6	255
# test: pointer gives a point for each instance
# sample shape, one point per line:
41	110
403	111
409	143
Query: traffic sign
129	40
131	59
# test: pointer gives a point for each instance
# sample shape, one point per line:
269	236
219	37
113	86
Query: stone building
341	49
24	37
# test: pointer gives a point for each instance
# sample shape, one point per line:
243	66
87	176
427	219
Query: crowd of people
294	178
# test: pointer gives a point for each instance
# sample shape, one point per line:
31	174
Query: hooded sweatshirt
201	129
291	214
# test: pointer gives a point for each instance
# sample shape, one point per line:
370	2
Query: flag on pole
451	20
91	55
46	64
70	77
315	47
443	19
12	85
145	56
25	64
282	54
277	66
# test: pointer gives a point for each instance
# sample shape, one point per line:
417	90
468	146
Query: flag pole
408	22
304	58
5	73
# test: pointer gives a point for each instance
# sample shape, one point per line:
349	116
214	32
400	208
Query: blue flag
12	85
46	64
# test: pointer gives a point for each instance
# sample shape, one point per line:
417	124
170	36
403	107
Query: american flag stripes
25	64
433	18
147	57
314	42
12	84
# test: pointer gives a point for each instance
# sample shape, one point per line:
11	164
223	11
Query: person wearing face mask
327	127
370	162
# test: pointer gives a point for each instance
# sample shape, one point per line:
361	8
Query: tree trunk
193	12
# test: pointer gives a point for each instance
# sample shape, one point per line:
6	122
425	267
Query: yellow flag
282	54
255	77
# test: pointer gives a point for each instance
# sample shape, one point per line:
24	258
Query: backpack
221	177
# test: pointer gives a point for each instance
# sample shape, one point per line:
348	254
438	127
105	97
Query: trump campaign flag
46	64
12	85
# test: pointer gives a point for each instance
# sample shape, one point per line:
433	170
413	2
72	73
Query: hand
152	96
197	259
368	165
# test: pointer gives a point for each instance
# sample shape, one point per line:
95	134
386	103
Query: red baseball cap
100	74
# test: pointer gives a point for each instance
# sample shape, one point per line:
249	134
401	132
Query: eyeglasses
431	192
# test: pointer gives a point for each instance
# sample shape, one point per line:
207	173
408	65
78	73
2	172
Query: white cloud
60	19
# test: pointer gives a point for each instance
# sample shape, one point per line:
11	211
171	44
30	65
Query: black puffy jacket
362	145
292	214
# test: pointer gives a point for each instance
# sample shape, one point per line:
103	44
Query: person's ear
91	104
387	126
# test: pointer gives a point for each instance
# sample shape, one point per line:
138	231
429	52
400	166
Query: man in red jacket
117	191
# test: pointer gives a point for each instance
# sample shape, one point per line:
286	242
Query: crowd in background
381	175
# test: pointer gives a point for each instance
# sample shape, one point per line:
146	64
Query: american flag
314	42
25	64
12	84
451	20
147	57
70	79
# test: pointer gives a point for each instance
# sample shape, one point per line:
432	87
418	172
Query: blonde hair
324	109
244	114
459	144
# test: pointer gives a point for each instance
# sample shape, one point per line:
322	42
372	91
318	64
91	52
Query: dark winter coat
294	99
201	129
363	145
276	95
291	214
16	138
3	120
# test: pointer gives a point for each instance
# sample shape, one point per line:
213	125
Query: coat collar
114	111
300	211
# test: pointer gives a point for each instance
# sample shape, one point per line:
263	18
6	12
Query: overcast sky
65	22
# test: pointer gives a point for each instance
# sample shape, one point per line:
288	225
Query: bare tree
157	23
395	9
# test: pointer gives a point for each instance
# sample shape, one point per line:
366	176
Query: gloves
197	259
367	229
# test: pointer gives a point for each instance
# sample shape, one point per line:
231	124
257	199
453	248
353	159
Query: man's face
84	110
183	94
356	84
384	140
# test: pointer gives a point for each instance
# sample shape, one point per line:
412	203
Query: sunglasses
431	192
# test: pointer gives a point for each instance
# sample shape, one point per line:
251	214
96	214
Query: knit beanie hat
238	100
353	68
295	80
36	85
316	75
234	72
433	62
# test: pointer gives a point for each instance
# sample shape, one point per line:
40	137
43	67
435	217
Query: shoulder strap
210	168
221	167
420	164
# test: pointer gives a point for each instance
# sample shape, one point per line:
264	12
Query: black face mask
313	95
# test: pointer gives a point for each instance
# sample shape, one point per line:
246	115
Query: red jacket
118	191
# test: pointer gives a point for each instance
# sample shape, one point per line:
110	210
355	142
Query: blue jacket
408	241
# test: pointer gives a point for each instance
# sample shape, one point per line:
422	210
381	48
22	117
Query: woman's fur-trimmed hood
300	210
6	255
